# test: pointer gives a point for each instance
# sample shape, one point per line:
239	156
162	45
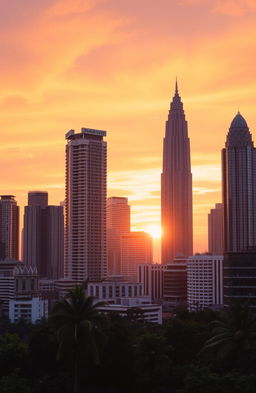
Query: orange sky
111	64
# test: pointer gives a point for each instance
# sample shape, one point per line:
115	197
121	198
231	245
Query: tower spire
176	87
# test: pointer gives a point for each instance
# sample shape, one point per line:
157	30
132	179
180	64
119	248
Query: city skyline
122	82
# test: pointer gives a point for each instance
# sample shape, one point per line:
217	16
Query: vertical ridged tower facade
239	187
239	201
176	186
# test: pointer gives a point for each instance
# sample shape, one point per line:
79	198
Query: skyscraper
118	222
239	187
136	249
85	225
215	230
118	214
43	236
239	190
9	231
176	186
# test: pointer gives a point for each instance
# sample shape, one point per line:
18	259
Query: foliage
201	380
234	333
77	323
136	356
13	383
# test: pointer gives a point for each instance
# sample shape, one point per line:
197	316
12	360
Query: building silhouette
176	186
136	249
9	231
118	214
239	190
118	222
43	236
175	283
215	230
239	187
85	222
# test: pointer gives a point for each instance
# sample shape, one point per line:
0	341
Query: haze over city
112	65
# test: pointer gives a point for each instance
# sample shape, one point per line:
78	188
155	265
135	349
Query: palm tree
234	331
77	322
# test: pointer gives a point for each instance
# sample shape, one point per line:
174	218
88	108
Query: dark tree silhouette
77	322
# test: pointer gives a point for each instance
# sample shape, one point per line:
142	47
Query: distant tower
9	231
118	214
176	186
215	230
118	222
38	198
239	187
86	175
136	249
43	236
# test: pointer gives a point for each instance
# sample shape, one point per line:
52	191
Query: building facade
118	214
85	222
239	187
204	282
31	310
239	278
43	236
20	296
7	284
9	230
115	287
125	299
136	249
135	309
151	276
175	283
176	186
118	222
239	190
215	230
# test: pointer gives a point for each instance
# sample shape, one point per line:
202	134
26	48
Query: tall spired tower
176	186
239	187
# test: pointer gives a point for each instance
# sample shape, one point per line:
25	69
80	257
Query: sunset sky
111	64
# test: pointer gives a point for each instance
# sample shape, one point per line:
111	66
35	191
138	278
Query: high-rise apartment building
9	231
43	236
239	190
85	225
118	222
176	186
215	230
136	249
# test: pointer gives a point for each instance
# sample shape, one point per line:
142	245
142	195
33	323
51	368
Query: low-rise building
135	308
30	310
114	287
125	298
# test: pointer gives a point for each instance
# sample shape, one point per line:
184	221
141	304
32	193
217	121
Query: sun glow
155	231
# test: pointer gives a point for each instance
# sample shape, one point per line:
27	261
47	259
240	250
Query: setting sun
155	231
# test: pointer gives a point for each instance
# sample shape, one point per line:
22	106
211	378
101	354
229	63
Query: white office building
204	281
115	287
31	310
